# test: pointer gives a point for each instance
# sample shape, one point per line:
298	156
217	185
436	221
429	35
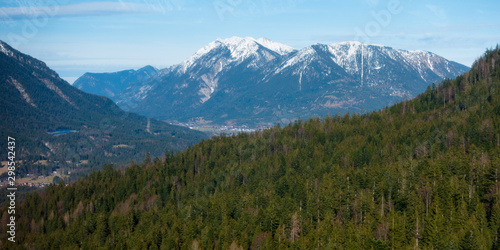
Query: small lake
62	131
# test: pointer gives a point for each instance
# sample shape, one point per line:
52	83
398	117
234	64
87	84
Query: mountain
111	84
421	174
56	122
257	82
192	83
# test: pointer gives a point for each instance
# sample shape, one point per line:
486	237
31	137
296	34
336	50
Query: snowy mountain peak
250	43
235	40
203	51
349	43
240	48
279	48
355	44
236	45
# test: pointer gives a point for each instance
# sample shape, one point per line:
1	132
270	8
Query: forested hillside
68	129
423	173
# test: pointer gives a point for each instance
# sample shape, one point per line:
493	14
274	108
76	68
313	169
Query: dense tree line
423	173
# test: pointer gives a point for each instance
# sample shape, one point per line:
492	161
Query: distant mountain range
110	85
258	82
58	125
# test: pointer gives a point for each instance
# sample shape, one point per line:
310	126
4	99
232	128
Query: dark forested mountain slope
52	120
421	174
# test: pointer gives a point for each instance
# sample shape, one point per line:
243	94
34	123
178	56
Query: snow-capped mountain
194	81
238	49
246	81
221	55
404	73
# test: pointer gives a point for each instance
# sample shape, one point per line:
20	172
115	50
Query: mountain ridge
316	80
107	81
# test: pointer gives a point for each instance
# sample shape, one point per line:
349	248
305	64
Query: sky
74	36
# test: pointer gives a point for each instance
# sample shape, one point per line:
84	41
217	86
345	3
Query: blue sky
74	37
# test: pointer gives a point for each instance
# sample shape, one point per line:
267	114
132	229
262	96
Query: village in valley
31	180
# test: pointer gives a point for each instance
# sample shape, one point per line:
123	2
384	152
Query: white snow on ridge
238	43
279	48
304	56
423	60
355	44
190	61
5	50
346	54
240	48
356	57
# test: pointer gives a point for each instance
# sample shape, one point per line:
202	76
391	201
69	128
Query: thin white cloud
438	12
81	9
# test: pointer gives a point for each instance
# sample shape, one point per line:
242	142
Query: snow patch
208	89
206	93
346	55
300	82
305	56
143	92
